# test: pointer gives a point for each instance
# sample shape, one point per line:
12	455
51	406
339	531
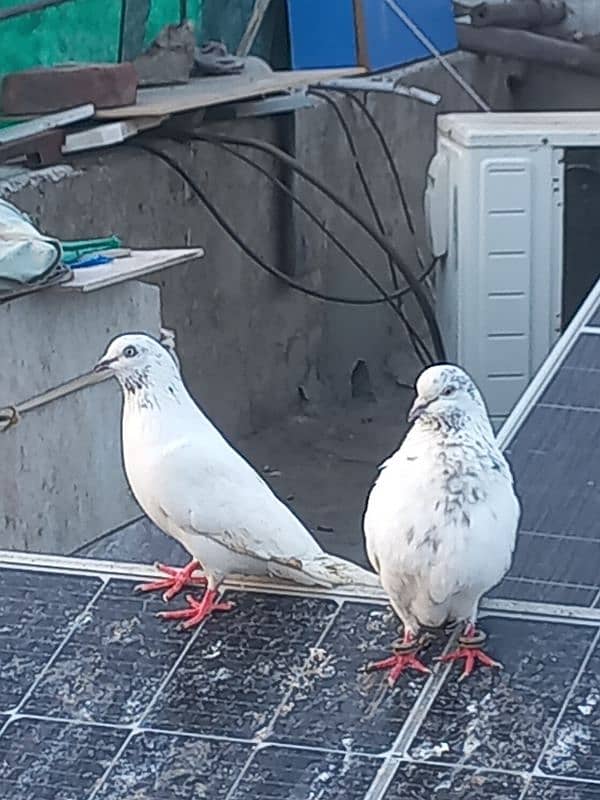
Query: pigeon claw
471	656
397	664
178	579
197	610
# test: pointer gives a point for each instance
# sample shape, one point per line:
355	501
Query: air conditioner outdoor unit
513	209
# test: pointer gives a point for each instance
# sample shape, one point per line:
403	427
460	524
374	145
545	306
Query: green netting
83	30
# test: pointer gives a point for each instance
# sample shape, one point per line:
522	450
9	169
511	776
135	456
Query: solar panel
552	440
103	701
100	700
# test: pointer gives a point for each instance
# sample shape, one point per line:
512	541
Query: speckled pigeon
441	519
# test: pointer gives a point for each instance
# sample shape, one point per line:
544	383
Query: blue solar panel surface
100	699
554	456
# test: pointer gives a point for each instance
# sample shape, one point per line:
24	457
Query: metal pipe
528	46
387	85
518	13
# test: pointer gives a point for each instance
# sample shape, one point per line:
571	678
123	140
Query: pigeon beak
104	364
417	409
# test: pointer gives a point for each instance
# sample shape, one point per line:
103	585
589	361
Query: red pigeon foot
405	658
470	651
198	610
178	579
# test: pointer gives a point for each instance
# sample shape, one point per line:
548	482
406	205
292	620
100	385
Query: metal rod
443	61
252	28
385	85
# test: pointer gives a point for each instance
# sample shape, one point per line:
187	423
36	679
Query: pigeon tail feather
339	572
325	571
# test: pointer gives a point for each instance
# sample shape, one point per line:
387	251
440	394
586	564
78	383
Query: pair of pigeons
440	522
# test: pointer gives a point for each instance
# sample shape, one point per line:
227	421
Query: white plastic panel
436	204
498	292
505	229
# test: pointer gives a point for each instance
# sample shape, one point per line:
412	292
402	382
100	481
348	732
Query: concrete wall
550	89
60	466
245	341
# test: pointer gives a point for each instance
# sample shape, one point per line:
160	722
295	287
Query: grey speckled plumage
442	516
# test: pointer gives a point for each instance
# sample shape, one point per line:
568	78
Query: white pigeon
198	489
442	517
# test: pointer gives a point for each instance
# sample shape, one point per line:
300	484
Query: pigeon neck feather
458	419
154	387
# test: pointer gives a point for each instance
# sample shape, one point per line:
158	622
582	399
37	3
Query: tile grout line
74	628
596	599
528	609
548	582
526	787
568	407
82	723
582	667
413	722
567	778
563	537
581	622
435	762
305	664
135	727
258	745
101	781
211	737
424	702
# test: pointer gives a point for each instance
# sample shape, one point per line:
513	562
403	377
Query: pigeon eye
448	391
130	351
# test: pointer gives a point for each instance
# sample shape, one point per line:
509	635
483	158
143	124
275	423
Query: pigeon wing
219	495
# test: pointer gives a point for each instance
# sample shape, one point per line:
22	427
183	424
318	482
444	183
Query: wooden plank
137	265
361	33
108	133
204	92
46	122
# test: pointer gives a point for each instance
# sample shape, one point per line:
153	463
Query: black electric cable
349	93
359	169
386	246
249	252
413	335
418	344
